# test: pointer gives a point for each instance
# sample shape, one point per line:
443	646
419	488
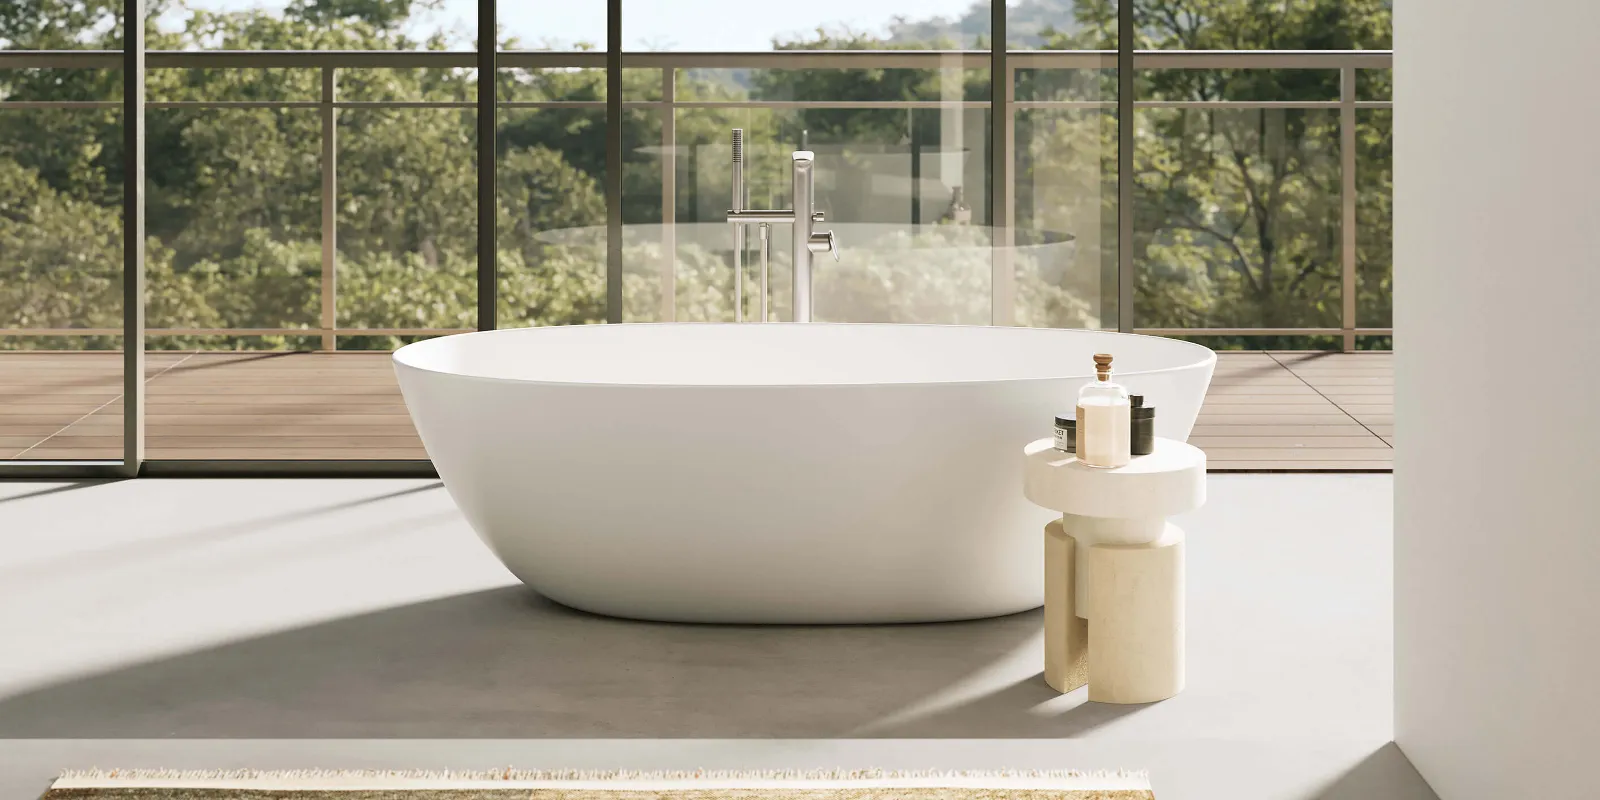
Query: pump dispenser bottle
1104	420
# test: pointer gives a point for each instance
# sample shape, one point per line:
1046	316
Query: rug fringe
513	774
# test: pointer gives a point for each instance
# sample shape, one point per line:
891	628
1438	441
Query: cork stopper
1102	366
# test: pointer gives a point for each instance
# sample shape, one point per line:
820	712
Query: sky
723	25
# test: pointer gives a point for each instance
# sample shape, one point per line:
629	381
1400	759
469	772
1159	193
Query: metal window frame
1002	62
613	182
1126	66
133	283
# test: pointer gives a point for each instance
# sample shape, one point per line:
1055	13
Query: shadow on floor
44	569
54	488
506	663
1385	775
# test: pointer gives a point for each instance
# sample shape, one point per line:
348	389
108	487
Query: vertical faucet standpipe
805	204
807	240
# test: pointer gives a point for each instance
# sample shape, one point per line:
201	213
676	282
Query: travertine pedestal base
1136	629
1066	635
1131	649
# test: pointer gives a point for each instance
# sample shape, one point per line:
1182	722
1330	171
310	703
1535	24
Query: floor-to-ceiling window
550	164
326	181
1260	169
63	171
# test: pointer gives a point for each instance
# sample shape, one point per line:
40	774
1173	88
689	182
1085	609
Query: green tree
1237	211
1236	215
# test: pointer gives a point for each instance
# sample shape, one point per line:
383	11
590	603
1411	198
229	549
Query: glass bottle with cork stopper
1104	420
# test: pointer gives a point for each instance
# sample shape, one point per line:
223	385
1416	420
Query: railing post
330	211
133	278
1347	197
669	195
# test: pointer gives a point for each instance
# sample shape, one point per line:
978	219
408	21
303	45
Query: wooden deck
1265	411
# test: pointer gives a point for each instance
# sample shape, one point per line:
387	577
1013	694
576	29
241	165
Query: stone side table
1114	569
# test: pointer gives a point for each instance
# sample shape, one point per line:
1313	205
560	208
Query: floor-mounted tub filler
776	473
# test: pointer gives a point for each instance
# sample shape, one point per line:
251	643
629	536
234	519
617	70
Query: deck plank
1265	412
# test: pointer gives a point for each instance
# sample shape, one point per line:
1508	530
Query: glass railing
327	200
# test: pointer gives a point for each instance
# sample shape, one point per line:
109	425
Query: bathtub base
734	616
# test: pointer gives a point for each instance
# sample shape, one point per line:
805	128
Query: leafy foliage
1237	222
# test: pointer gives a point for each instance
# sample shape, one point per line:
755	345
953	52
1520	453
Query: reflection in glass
904	187
1066	199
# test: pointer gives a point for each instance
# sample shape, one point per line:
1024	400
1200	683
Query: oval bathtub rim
1209	361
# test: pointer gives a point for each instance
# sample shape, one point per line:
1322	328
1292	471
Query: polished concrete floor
281	624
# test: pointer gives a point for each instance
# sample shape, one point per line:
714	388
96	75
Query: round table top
1169	481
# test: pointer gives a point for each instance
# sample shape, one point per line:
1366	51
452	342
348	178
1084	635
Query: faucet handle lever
824	242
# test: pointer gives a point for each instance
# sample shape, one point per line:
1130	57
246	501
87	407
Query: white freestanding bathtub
768	473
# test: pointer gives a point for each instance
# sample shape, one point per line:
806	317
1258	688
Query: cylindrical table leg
1066	635
1090	531
1136	630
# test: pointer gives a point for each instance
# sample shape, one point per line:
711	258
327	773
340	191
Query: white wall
1497	221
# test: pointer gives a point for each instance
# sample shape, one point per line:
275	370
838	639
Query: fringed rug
570	785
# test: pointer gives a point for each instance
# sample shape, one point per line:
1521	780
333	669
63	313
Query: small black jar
1142	430
1067	434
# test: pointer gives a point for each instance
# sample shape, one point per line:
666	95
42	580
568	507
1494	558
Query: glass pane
550	24
1065	260
231	84
58	25
1290	25
52	85
1375	84
1046	25
572	85
1374	218
551	225
408	223
1238	85
648	248
60	284
321	25
904	187
233	213
823	25
236	212
1236	222
410	85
